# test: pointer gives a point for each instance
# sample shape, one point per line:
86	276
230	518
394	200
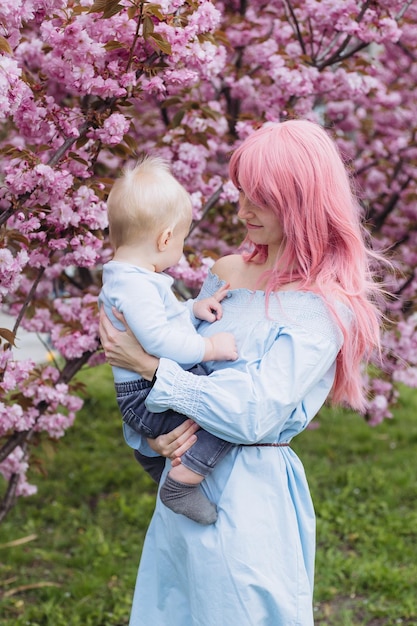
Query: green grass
364	486
82	533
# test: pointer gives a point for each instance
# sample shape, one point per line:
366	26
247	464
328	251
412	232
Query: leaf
5	46
105	180
81	141
113	45
8	335
98	6
107	7
77	10
11	151
131	12
155	10
208	112
130	142
197	139
75	157
14	236
159	43
148	27
177	119
121	150
170	101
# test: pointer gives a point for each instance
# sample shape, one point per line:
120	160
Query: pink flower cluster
82	94
17	464
77	331
46	407
11	268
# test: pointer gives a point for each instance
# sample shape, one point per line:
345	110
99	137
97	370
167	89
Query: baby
150	215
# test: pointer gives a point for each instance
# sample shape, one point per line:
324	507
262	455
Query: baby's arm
221	346
210	309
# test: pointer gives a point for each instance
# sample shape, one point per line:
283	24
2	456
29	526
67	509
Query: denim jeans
203	454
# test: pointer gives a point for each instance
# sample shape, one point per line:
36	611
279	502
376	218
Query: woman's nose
244	209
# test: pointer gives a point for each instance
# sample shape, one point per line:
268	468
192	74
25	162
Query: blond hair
145	198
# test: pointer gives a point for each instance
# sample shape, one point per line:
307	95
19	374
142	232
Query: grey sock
188	500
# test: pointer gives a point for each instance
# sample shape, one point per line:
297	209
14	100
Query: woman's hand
175	443
122	349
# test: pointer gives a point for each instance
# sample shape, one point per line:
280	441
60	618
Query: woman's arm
282	391
123	350
239	406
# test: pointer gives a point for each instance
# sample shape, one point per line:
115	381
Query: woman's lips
252	226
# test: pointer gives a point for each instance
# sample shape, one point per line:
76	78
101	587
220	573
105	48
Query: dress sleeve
254	404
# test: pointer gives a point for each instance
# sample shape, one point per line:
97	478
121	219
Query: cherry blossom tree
87	85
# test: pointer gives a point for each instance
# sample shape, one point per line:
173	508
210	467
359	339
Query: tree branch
209	205
379	219
9	497
28	299
17	439
295	25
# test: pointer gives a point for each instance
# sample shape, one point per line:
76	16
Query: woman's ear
164	238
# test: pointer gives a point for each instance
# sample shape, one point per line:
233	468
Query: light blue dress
255	565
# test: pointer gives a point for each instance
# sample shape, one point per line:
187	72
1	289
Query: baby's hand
221	347
210	309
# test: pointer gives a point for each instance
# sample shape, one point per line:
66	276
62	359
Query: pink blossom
16	373
194	276
91	211
170	6
229	192
17	463
205	19
378	410
74	87
11	268
154	86
13	90
56	424
181	77
14	418
113	130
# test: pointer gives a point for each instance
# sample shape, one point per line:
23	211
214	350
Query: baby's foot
188	500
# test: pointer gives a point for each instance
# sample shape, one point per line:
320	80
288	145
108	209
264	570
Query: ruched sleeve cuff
174	389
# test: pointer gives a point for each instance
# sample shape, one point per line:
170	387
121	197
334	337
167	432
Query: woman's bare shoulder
228	266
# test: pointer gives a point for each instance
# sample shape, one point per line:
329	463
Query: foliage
86	85
363	488
69	556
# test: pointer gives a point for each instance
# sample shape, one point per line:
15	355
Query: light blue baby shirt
162	324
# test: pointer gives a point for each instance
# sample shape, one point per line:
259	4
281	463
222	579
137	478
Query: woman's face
263	226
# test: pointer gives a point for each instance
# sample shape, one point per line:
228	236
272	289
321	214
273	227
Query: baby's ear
163	239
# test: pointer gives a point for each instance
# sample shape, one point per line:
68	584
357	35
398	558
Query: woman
301	306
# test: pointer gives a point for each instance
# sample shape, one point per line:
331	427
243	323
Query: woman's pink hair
294	169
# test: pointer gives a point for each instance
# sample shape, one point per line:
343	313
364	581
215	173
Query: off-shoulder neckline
291	297
261	292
